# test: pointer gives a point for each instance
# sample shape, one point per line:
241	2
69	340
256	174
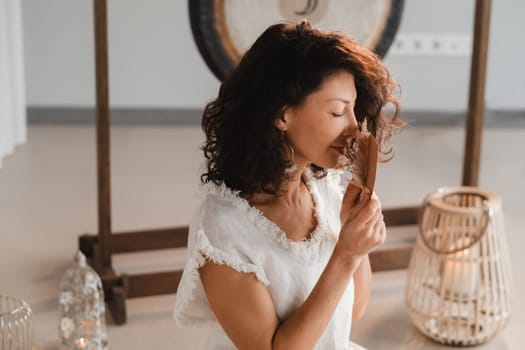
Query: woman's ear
282	122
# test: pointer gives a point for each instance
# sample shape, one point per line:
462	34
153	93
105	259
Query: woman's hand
362	225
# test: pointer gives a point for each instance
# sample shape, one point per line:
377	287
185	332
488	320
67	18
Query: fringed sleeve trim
202	253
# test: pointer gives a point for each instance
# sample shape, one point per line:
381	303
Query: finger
353	212
374	197
378	228
375	223
367	214
351	195
374	218
383	232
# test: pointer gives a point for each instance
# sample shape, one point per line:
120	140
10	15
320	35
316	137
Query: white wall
441	83
152	57
155	63
506	73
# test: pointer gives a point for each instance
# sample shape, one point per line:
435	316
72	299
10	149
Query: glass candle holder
82	310
16	324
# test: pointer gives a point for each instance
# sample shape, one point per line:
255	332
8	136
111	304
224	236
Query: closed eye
337	115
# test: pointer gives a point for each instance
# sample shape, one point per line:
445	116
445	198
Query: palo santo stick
361	160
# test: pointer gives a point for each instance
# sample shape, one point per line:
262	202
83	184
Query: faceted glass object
82	310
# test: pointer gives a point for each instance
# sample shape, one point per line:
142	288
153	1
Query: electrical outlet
429	44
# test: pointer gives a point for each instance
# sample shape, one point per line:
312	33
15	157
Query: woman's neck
293	210
291	192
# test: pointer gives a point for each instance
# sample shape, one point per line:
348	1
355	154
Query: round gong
225	29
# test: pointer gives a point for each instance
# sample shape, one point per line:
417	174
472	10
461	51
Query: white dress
227	230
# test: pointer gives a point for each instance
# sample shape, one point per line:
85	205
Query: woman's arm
244	307
242	304
362	285
304	328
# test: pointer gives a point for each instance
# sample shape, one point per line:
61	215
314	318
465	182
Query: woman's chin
333	164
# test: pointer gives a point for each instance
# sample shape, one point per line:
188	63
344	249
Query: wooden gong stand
100	247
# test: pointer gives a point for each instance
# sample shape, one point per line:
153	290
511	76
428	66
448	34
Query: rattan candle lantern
16	324
459	283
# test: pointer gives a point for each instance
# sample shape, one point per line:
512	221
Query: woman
278	250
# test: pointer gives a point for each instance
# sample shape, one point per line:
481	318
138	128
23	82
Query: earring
292	166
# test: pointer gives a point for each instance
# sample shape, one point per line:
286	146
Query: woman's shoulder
225	216
220	205
224	230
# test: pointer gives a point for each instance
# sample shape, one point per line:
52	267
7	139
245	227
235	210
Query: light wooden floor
47	198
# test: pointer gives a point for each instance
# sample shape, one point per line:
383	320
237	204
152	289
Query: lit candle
81	343
460	276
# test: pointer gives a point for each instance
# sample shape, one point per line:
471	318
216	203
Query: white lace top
227	230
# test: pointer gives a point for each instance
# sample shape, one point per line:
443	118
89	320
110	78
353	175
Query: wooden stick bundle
361	159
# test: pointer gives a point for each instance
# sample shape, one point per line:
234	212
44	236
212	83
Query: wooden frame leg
117	305
476	105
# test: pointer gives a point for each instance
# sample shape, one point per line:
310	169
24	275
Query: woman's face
321	126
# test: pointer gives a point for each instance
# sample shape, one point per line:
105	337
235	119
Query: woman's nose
352	127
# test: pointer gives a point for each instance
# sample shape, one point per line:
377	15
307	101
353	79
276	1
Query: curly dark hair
243	148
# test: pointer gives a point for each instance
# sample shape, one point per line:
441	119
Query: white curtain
13	128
